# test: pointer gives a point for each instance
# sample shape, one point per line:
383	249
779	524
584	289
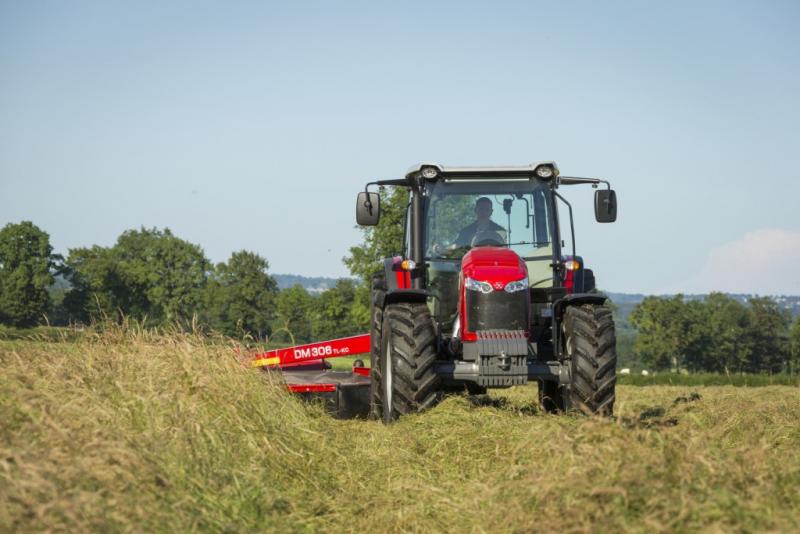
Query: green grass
344	363
709	379
41	333
134	431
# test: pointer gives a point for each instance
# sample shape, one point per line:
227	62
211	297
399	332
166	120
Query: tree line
155	277
717	334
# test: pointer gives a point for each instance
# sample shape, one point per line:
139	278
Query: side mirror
605	205
368	209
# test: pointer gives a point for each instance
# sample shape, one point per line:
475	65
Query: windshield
466	214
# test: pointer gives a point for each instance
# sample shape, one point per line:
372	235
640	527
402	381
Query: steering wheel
488	239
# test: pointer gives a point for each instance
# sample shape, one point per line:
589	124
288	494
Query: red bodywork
312	388
569	281
496	265
402	277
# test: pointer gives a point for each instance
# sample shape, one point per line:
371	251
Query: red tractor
484	296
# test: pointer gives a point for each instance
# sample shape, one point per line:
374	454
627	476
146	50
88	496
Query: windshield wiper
539	244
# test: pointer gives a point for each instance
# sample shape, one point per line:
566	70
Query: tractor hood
495	265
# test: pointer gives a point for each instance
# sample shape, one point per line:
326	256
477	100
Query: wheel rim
387	383
567	341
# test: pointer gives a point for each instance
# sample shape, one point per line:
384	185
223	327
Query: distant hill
312	284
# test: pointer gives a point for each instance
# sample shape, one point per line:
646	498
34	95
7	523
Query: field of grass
122	431
709	379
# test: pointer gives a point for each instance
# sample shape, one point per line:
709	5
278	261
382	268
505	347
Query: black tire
375	327
590	345
551	397
409	383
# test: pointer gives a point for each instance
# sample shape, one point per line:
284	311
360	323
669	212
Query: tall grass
127	429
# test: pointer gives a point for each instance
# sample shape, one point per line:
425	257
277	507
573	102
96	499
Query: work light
545	172
429	173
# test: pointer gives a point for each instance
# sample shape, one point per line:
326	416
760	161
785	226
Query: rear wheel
590	346
409	382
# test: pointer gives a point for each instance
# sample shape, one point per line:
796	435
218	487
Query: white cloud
766	262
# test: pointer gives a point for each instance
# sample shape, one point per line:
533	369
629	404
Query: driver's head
483	209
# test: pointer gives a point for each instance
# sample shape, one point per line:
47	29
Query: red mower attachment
308	374
346	346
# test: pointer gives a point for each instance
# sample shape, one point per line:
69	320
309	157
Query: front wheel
590	350
409	383
590	346
375	330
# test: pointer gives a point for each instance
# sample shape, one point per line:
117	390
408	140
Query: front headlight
477	285
518	285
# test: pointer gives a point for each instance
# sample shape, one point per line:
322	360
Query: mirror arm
368	203
573	180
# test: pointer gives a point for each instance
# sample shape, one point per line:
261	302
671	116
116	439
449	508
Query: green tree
383	240
26	271
240	296
292	315
769	335
729	328
665	332
696	343
147	273
334	312
794	345
98	286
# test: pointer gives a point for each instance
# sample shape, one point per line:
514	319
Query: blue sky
253	125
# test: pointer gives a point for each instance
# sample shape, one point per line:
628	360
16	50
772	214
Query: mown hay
135	431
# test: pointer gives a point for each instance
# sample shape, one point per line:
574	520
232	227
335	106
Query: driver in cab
484	230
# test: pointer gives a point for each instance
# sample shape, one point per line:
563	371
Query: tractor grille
497	310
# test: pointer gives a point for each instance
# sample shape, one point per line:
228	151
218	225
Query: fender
405	295
576	299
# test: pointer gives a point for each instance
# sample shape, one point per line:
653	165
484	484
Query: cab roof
474	172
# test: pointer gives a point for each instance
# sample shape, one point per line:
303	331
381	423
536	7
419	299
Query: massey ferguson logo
498	285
